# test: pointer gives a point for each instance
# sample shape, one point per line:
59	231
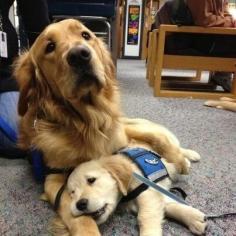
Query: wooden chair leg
149	56
159	62
233	90
198	75
153	59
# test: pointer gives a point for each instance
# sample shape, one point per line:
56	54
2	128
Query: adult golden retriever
69	104
97	186
223	103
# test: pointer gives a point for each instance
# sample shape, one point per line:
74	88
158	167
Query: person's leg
203	43
35	17
12	45
8	114
224	46
217	46
180	44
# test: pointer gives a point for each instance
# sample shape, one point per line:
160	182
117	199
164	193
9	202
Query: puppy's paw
197	223
182	167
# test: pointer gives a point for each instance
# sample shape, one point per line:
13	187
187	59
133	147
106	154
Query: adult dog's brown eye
86	35
50	47
91	180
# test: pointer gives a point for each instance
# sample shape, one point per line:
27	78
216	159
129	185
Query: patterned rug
211	186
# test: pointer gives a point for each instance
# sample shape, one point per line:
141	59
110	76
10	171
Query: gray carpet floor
211	186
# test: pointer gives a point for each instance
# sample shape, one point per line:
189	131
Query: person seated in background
211	13
214	13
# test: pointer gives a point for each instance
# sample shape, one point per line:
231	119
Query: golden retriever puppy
224	103
70	111
96	187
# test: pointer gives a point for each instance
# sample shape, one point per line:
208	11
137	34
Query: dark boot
223	79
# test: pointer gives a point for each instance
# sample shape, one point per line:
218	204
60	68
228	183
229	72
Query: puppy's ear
120	171
24	73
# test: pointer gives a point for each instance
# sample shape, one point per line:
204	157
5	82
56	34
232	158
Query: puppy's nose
82	204
78	55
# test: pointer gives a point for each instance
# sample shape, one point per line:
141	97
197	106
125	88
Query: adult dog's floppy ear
120	171
24	73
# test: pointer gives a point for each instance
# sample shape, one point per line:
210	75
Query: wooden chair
157	61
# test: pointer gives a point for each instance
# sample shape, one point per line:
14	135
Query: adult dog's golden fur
224	103
73	118
69	108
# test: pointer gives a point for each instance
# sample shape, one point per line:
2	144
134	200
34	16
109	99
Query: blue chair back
105	8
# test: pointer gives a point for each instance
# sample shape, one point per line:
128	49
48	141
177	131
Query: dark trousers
216	45
34	15
202	45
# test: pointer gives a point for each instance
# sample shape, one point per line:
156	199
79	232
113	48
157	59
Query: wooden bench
157	61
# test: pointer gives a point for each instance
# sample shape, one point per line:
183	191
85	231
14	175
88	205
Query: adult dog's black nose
82	204
78	55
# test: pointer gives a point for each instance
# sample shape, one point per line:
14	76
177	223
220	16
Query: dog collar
149	163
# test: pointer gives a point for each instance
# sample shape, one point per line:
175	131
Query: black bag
173	12
6	82
180	13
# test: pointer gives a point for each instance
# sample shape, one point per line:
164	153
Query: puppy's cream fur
113	179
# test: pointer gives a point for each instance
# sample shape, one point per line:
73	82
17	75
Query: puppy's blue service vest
149	163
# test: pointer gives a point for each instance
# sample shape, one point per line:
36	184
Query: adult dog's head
97	186
66	61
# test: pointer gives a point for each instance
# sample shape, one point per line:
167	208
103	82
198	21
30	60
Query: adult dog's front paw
194	156
154	232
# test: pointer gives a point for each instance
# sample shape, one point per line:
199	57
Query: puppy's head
96	187
67	60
